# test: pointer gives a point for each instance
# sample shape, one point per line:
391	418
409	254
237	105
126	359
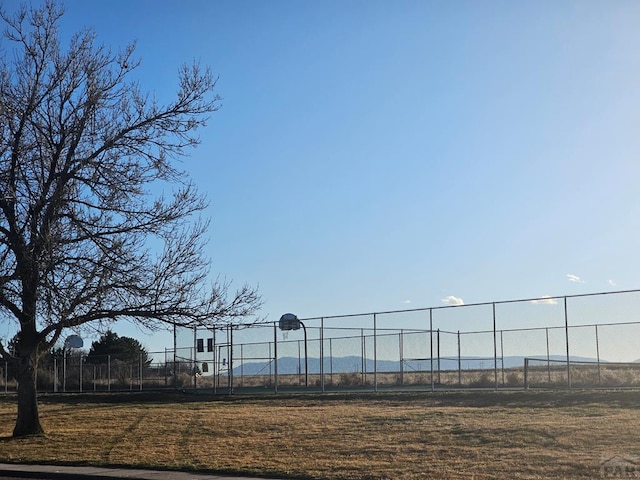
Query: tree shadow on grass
10	438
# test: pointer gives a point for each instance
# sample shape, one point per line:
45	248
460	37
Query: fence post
459	361
80	368
166	372
242	365
502	356
375	353
230	359
195	356
275	357
598	356
495	348
526	374
175	356
322	354
566	329
216	359
64	370
109	373
438	339
400	348
364	354
431	346
271	361
141	365
548	357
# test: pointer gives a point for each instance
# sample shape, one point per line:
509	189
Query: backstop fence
588	340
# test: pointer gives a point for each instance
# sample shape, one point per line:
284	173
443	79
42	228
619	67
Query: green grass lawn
479	435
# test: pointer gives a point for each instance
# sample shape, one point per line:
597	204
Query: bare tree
84	235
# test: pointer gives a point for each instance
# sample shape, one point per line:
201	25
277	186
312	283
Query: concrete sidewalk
46	472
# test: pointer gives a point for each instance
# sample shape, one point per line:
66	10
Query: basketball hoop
289	321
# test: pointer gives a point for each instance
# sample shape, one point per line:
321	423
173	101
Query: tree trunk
28	422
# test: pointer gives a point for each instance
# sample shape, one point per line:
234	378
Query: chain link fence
549	342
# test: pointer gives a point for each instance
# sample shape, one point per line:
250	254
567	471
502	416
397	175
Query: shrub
352	378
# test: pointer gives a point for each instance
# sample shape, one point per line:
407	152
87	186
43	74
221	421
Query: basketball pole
306	357
275	357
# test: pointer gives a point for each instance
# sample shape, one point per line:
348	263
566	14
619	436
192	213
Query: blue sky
379	155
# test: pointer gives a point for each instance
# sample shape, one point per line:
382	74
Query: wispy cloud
407	302
612	283
451	300
545	300
574	278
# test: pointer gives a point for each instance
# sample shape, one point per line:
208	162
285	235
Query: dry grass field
479	435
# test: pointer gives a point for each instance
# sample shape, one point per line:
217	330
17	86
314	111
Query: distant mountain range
293	365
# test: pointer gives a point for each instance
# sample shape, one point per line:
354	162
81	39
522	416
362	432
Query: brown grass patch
488	435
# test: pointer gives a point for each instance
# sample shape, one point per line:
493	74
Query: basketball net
285	335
